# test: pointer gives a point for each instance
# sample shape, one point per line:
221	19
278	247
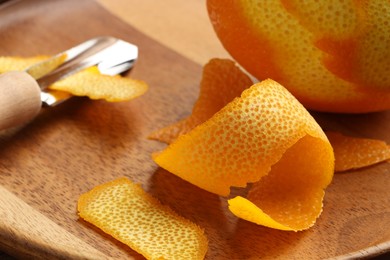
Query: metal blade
111	56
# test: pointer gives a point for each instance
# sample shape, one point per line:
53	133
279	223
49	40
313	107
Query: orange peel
87	82
91	83
353	152
265	137
9	63
215	92
124	210
42	68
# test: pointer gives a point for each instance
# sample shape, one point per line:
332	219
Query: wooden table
66	151
168	22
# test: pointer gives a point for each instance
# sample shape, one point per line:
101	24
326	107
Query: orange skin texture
88	82
332	56
222	81
354	153
122	209
264	136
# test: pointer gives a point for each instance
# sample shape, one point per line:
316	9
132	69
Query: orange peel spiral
265	137
215	93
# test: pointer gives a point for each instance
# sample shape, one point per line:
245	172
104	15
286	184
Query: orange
265	137
331	55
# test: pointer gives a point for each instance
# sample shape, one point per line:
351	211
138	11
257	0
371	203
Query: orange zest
353	153
8	63
215	93
265	137
91	83
125	211
88	82
48	65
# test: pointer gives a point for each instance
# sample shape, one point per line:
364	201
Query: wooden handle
20	99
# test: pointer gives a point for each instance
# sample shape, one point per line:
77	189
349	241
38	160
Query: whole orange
333	55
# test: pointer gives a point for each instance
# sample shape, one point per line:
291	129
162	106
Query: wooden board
69	149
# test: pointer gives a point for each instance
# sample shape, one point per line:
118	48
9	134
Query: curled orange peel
125	211
265	137
87	82
353	152
215	92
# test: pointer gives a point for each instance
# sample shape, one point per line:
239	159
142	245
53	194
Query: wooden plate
67	150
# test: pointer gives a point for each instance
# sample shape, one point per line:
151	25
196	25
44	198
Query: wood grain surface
183	26
67	150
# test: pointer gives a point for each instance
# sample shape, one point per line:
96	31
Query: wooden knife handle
20	99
